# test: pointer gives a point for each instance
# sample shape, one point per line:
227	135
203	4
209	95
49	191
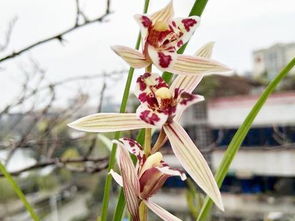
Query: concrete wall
276	162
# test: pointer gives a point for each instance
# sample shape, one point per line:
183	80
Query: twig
59	36
99	107
63	162
8	34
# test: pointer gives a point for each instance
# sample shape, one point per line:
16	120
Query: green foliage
48	182
6	191
194	199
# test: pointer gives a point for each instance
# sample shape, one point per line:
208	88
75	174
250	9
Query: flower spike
160	107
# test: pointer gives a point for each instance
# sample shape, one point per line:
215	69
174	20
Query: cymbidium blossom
162	37
159	105
140	182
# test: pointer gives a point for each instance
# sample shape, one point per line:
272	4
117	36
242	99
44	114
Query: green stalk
19	192
241	134
197	10
107	188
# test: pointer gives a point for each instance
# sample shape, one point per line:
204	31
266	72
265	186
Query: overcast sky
237	26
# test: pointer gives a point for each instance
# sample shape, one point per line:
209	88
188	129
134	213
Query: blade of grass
241	134
108	183
19	192
197	9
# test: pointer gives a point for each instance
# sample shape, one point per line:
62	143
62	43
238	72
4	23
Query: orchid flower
162	37
159	105
140	182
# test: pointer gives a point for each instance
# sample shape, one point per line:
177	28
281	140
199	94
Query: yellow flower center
161	26
163	93
153	160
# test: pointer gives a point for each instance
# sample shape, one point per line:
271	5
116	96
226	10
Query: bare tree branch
102	164
5	44
60	36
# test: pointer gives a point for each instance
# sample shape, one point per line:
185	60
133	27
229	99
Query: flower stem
147	141
19	192
142	212
107	188
238	138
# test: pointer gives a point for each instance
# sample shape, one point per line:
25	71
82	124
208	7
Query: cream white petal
129	179
133	57
192	161
162	213
164	15
109	122
191	65
172	172
116	177
189	83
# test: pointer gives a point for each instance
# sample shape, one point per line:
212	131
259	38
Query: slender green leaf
241	134
19	192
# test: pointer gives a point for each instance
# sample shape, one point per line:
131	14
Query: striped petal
109	122
129	179
189	83
162	213
134	148
133	57
193	161
116	177
189	65
164	15
150	116
205	51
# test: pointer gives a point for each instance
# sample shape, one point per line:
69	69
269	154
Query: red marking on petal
165	60
151	181
142	84
161	83
146	75
143	97
188	23
180	43
149	119
186	97
146	22
174	23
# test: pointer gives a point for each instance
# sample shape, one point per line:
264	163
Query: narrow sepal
109	122
133	57
159	211
192	161
164	15
190	65
189	83
116	177
129	179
